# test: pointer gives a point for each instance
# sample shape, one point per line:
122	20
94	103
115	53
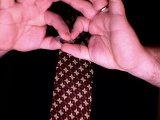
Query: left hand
113	44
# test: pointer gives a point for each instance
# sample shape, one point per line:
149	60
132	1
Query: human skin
115	45
23	23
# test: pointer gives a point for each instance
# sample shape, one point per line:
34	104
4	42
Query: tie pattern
72	89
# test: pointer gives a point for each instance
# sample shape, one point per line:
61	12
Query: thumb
116	7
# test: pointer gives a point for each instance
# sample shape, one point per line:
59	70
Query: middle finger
85	7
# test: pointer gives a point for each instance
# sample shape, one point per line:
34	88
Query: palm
100	49
113	45
22	27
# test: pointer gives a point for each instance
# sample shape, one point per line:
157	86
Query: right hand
114	44
23	23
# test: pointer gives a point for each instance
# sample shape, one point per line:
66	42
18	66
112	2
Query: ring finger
99	4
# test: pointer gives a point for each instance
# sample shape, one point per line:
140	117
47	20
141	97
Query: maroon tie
72	89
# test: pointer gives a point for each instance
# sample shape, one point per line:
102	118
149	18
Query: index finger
85	7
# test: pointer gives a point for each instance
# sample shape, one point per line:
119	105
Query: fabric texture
72	89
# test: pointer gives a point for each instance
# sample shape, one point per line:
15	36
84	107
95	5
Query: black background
26	79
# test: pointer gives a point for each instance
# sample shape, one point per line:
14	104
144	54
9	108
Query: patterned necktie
72	89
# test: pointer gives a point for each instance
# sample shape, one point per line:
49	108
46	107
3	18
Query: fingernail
67	35
73	35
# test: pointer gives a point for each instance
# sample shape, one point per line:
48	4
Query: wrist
155	55
148	68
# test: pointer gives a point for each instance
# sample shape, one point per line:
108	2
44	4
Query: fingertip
78	51
81	24
58	23
50	44
70	49
74	34
55	45
65	35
